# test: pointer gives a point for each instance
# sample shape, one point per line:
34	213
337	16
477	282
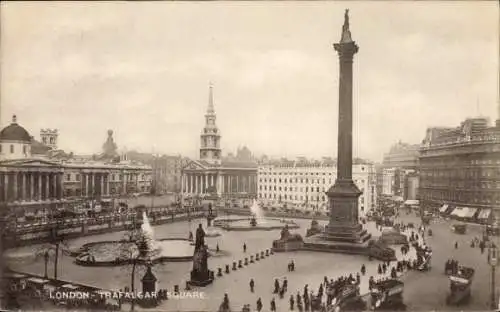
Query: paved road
423	291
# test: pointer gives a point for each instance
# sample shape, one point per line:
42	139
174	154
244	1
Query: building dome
14	132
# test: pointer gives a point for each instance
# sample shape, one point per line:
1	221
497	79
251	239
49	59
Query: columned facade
224	182
30	184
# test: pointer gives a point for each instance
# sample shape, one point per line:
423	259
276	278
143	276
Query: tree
134	249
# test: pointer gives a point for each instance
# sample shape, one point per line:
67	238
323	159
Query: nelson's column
344	233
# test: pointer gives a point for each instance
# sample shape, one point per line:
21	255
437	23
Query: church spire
346	32
210	109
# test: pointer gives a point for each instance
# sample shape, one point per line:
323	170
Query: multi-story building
213	174
402	155
305	182
400	165
411	186
461	167
34	181
167	170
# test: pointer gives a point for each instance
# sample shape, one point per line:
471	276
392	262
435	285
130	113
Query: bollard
234	265
251	259
246	261
219	272
267	252
176	289
257	257
262	254
227	268
272	252
240	265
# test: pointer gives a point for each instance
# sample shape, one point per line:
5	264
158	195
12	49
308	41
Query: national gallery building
35	176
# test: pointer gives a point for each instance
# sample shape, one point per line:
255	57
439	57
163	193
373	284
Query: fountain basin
244	224
115	253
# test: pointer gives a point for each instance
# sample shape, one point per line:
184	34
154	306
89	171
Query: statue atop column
346	33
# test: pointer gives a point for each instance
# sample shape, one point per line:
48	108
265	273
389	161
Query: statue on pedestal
200	275
314	229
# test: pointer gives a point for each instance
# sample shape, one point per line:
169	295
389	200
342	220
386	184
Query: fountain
147	236
256	222
141	245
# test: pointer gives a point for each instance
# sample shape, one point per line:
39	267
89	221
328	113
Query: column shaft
39	185
16	185
23	183
6	186
32	186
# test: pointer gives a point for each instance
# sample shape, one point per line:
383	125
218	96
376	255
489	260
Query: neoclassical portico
30	180
199	178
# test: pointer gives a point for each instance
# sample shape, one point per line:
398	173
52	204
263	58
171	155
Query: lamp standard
493	262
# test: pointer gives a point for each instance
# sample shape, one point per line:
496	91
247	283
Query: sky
143	70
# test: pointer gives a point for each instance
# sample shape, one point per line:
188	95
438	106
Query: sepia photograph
270	156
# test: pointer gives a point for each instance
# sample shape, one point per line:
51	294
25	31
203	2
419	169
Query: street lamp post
493	262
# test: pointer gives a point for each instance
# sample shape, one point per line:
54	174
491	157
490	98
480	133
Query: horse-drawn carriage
460	284
388	295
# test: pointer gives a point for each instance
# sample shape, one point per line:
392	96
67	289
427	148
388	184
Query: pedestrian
273	305
363	269
217	247
225	302
379	270
291	302
259	304
252	285
285	285
244	247
456	245
358	278
276	286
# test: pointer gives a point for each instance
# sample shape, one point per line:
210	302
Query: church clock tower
210	150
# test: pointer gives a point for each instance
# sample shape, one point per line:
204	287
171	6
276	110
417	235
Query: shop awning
484	214
443	208
469	212
458	212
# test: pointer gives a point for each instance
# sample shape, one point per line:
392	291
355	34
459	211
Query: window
77	177
0	148
68	177
12	149
24	149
